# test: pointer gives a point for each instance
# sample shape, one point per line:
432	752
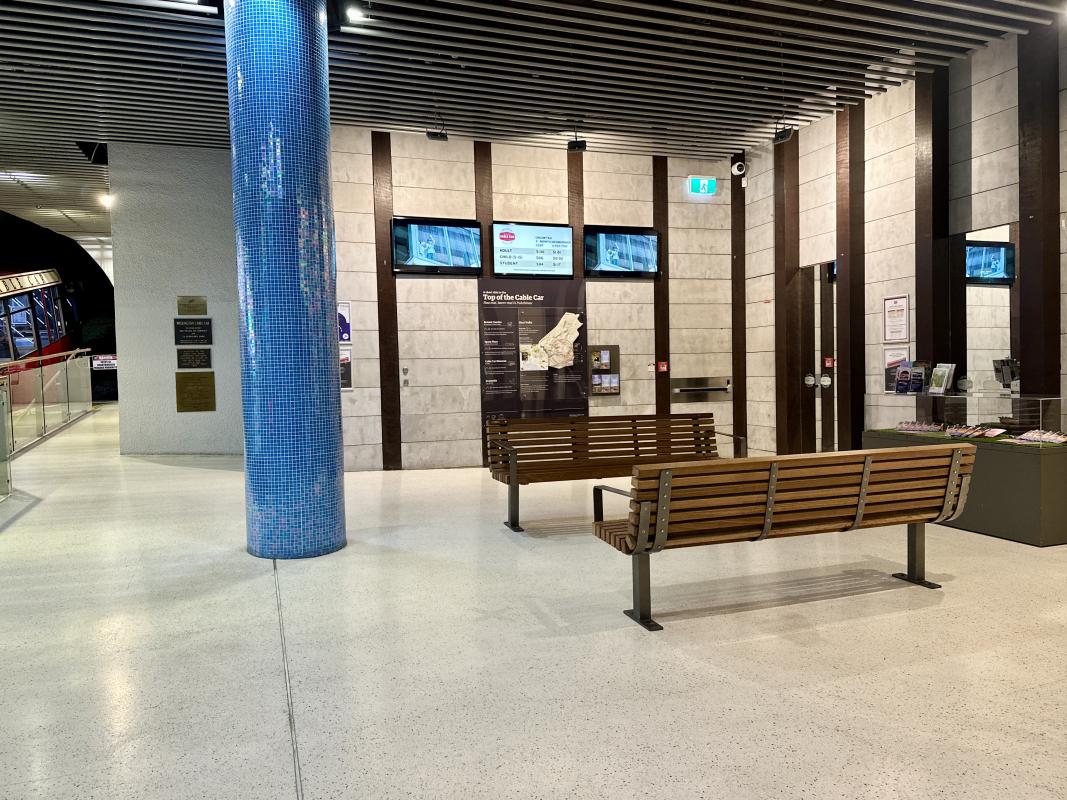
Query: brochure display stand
1016	491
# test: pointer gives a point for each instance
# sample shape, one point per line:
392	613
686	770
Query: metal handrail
4	365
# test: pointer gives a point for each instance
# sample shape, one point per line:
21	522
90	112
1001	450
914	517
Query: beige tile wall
889	230
759	300
984	137
353	203
700	296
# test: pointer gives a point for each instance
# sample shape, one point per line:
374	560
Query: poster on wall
344	322
532	337
896	319
346	367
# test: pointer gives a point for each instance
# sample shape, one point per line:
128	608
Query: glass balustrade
43	394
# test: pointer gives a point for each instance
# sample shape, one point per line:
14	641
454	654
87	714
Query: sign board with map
533	348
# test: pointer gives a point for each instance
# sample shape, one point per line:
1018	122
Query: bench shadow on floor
711	598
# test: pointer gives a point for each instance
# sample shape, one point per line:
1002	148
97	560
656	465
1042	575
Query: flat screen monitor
991	263
437	246
532	251
621	252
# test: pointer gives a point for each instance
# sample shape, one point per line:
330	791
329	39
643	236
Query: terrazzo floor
440	655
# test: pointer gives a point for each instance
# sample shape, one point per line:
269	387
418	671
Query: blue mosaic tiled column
280	135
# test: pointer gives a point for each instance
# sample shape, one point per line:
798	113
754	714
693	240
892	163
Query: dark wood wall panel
826	350
576	209
661	290
936	324
483	201
388	339
851	349
738	309
790	402
1039	271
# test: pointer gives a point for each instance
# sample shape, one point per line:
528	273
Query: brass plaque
192	305
194	391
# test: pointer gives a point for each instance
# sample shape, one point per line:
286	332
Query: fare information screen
541	250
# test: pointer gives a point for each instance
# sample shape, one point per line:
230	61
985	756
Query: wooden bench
715	502
523	451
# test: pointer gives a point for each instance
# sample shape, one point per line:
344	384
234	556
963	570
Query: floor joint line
297	774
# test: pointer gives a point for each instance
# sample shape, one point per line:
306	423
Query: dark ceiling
694	77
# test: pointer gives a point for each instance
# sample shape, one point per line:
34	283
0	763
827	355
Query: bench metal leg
641	613
513	507
917	557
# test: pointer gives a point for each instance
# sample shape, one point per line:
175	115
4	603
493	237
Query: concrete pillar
276	56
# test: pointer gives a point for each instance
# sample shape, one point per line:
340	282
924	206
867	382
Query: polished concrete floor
143	654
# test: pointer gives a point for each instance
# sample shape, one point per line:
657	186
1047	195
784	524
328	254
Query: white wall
759	300
173	234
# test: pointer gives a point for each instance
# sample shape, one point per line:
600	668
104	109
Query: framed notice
896	319
893	359
346	367
344	322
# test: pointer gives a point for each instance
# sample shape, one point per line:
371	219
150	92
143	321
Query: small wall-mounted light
106	200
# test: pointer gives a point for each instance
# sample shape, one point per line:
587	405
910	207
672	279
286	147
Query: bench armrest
501	442
598	499
740	443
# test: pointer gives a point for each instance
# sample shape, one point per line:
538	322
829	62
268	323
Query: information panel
533	347
543	251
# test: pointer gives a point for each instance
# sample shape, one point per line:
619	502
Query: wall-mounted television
991	263
437	246
523	250
621	252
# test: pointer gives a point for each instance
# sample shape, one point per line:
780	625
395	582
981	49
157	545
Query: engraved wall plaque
192	331
194	358
192	305
194	391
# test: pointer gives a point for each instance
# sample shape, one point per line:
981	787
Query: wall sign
108	362
194	357
896	319
344	322
702	185
533	348
346	367
194	391
605	370
192	331
192	305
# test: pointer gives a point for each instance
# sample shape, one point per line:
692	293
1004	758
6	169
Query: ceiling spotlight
437	136
354	14
576	145
106	200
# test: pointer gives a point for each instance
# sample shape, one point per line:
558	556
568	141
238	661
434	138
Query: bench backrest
549	441
751	498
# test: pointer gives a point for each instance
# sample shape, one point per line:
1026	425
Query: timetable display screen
532	250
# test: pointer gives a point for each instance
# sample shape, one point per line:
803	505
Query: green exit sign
698	184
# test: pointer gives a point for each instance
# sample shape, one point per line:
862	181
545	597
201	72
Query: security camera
738	168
